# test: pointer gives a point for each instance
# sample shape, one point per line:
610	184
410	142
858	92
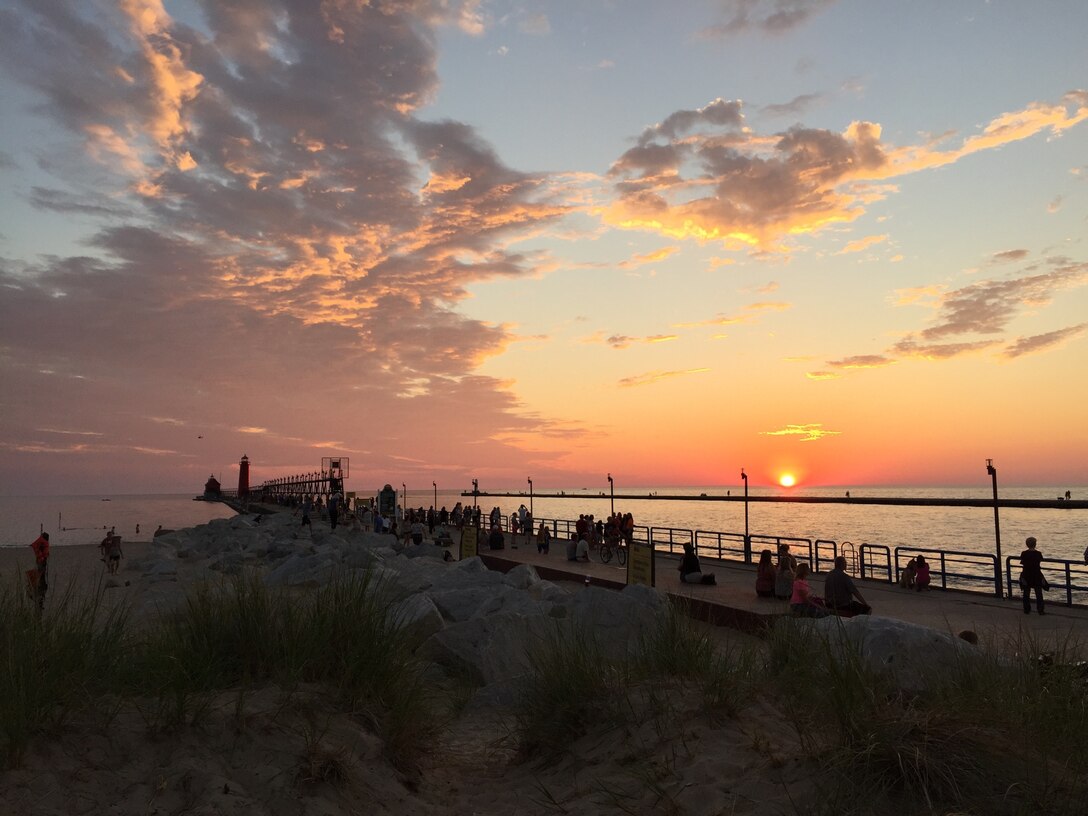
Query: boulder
909	654
489	649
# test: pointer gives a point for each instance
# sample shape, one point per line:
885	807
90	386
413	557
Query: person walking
41	559
1031	576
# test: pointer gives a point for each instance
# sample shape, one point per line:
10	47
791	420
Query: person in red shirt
41	556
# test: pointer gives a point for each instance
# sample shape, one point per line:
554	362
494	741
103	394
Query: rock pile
471	620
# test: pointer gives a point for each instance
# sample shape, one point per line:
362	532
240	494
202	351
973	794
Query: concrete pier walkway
733	601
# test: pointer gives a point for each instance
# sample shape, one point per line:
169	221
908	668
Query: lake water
84	519
1062	533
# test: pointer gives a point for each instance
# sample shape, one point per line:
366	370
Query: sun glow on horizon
787	480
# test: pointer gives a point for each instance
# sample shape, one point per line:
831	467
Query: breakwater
893	501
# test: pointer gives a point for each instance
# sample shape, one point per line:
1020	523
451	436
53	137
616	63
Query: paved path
994	619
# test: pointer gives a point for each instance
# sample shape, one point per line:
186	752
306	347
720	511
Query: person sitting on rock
841	595
690	570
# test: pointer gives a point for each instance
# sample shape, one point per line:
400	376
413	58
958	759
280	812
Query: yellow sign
640	563
469	548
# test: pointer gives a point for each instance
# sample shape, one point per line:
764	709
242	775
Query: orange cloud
810	432
703	175
862	244
656	376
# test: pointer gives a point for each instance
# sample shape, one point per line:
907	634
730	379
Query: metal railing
949	569
1073	582
953	569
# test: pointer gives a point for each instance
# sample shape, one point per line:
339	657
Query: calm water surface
1061	533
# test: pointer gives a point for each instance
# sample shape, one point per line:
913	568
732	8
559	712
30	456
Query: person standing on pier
1031	576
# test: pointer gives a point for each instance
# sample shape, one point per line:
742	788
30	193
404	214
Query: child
921	575
906	580
803	604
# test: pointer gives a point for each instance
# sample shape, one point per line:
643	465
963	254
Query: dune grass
51	663
575	684
80	655
994	735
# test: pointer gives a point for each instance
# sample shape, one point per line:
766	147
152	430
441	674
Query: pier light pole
435	485
990	469
612	494
475	491
531	497
747	538
404	499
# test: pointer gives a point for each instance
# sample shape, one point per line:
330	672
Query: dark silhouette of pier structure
290	490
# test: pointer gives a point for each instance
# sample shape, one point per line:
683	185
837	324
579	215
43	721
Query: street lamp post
747	537
531	497
990	469
404	499
475	491
612	494
435	485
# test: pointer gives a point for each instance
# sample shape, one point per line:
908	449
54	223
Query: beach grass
238	634
999	732
994	735
53	662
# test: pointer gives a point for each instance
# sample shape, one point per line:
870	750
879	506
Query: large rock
418	615
489	649
909	654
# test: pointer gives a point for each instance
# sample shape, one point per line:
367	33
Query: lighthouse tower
243	477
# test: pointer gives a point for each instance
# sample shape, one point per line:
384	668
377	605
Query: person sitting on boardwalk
910	573
840	593
1031	576
690	570
921	573
803	604
495	539
577	548
765	575
783	579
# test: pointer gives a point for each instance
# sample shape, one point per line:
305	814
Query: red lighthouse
243	477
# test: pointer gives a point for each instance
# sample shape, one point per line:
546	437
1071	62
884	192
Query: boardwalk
994	619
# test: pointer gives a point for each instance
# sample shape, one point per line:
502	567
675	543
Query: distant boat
105	499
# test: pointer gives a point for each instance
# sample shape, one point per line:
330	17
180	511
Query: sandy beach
77	567
275	751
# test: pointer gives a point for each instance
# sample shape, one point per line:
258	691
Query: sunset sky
456	239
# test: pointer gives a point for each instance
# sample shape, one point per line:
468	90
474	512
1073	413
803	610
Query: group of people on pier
788	580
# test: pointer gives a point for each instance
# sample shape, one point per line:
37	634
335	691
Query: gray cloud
280	238
766	16
795	107
1043	342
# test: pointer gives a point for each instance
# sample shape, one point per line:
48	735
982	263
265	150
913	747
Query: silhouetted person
1031	576
840	592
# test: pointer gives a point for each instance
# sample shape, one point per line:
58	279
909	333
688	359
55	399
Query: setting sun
787	480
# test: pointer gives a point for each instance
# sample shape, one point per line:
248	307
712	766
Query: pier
892	501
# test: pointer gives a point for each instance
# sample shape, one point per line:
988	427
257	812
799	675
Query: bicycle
607	549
